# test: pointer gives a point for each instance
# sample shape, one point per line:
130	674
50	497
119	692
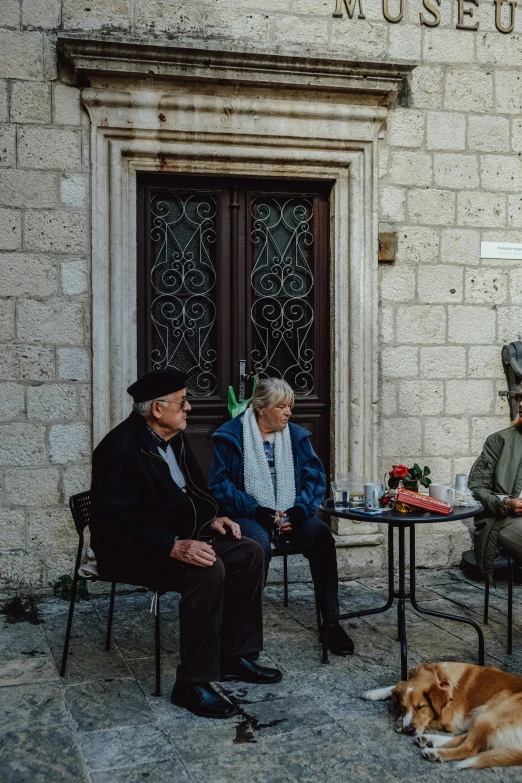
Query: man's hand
515	506
222	524
194	552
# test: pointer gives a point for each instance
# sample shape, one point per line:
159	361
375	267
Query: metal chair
80	506
284	553
511	565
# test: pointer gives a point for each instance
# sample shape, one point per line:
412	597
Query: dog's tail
499	757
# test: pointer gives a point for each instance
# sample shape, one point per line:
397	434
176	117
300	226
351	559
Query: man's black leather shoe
201	699
245	670
339	643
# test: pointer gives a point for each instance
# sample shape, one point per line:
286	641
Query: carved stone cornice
86	60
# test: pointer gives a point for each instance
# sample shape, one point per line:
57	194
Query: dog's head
422	698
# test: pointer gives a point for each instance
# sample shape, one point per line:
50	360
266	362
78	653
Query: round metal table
402	522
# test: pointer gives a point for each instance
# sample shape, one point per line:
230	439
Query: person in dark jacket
154	522
268	478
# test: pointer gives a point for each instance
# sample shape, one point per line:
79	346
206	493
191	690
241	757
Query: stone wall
450	175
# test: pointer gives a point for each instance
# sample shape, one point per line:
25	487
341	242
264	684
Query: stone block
4	110
446	436
31	102
431	206
74	277
410	168
486	286
482	427
365	39
298	29
27	189
456	171
501	172
32	487
484	361
443	362
20	55
10	229
26	362
460	246
448	46
12	401
438	283
405	42
7	319
23	274
516	136
52	402
421	324
76	479
22	445
74	189
162	16
7	145
51	531
469	397
69	443
401	362
508	91
421	398
417	244
495	49
471	325
481	208
109	15
308	7
431	548
55	321
57	232
515	286
441	467
41	14
392	204
12	528
427	86
468	89
389	398
85	398
361	561
445	131
514	211
406	128
386	324
50	59
488	134
49	148
74	364
397	283
509	324
66	105
401	436
463	464
10	13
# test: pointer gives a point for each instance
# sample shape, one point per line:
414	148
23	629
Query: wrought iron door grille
282	282
183	287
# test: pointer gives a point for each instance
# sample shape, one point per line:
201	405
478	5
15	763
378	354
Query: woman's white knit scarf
258	481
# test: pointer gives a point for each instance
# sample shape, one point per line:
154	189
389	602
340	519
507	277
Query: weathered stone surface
20	54
468	89
12	401
421	324
10	229
469	397
66	105
11	13
35	487
486	286
41	14
76	479
33	753
481	208
402	362
106	705
22	444
501	172
12	528
405	42
411	168
515	211
27	189
292	29
52	402
74	277
483	426
160	16
484	361
460	246
421	398
508	92
59	232
443	362
426	86
74	190
51	530
431	206
74	364
446	437
7	145
397	283
4	108
26	362
386	324
31	102
406	128
49	148
509	324
438	283
393	201
368	40
401	435
448	46
52	321
111	14
456	171
7	319
471	325
24	274
488	134
417	244
445	131
69	443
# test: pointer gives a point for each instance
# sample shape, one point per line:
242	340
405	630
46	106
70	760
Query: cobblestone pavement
101	724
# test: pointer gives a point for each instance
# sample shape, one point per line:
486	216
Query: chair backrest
80	506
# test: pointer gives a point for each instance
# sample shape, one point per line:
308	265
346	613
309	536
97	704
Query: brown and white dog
481	706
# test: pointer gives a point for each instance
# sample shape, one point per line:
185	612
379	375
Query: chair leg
510	607
318	613
69	623
157	645
486	602
109	621
285	579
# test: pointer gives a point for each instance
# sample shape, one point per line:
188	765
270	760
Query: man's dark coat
137	508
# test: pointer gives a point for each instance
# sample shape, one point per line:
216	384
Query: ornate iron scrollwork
183	280
282	282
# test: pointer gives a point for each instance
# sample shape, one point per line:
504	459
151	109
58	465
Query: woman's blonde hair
271	392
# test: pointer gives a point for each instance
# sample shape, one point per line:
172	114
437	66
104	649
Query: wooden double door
233	280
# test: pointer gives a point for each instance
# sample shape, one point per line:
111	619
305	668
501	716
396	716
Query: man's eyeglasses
517	396
181	402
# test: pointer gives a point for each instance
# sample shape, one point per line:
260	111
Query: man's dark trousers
220	612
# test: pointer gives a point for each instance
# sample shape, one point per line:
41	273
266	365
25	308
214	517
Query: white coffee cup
442	492
373	492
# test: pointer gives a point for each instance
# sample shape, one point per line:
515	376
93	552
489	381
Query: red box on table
423	501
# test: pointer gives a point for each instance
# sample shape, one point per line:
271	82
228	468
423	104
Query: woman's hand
515	506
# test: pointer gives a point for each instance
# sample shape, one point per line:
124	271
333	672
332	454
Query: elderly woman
268	478
496	481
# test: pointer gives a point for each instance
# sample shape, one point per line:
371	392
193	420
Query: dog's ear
439	695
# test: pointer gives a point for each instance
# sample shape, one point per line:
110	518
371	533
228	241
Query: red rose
399	471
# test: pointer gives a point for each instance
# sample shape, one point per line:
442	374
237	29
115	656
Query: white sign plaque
501	250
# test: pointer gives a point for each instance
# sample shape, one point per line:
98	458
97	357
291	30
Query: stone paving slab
101	723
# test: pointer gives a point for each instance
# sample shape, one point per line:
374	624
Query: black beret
156	383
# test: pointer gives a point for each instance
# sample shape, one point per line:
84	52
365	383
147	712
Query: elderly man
154	522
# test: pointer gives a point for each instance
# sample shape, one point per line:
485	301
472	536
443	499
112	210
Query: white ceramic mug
372	494
442	492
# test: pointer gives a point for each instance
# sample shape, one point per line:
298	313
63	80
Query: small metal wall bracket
387	247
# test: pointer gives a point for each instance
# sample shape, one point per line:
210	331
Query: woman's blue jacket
226	480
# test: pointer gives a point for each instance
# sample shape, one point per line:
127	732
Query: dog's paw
430	755
399	726
422	741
